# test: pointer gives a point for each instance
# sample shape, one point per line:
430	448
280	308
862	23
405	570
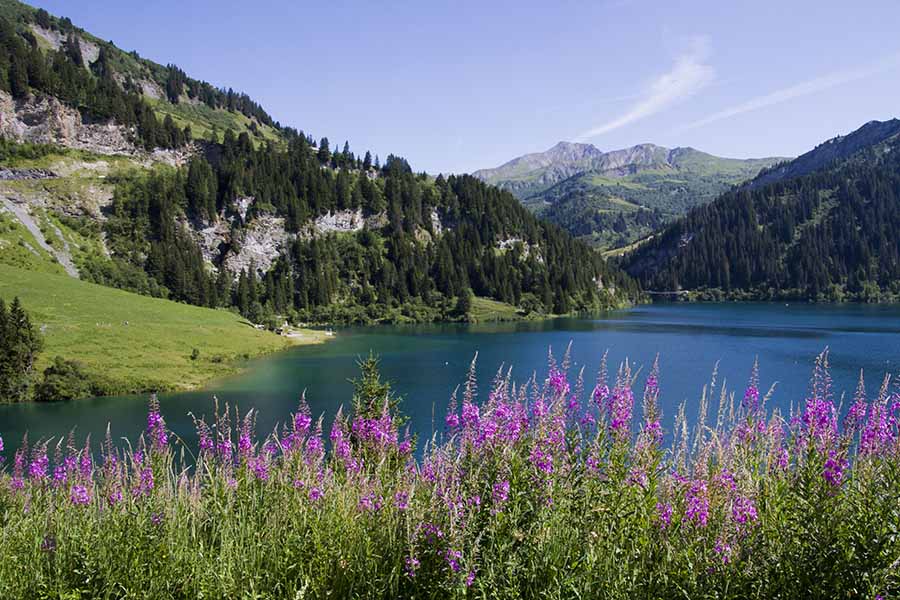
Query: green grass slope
87	322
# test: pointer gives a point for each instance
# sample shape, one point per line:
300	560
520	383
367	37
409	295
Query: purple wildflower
412	563
543	461
453	557
723	549
315	494
114	497
743	511
470	578
558	383
156	426
833	470
39	464
80	496
697	503
750	403
664	514
500	492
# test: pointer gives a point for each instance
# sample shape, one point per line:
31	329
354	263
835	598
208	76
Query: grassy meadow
133	343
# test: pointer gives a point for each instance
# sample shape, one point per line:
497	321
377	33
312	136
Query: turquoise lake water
425	363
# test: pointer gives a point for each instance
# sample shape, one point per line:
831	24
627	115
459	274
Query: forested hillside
828	235
354	243
256	216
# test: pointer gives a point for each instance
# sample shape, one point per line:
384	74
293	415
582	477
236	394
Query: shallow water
427	362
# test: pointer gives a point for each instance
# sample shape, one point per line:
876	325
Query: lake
427	362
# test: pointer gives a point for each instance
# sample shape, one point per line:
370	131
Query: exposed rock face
212	238
151	89
21	209
90	51
20	174
527	249
346	221
242	205
340	221
436	226
46	120
259	243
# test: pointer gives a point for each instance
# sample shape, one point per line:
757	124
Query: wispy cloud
804	88
688	75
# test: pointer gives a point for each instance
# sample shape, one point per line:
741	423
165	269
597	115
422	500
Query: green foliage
64	380
20	344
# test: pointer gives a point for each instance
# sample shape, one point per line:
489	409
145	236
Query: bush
63	380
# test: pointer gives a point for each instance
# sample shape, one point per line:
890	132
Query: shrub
63	380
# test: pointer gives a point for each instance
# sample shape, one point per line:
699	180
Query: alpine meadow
443	354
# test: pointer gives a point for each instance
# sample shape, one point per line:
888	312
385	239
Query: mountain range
614	198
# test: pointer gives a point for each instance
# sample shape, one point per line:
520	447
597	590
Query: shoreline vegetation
547	488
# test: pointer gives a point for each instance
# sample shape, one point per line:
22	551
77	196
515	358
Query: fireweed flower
750	402
156	426
856	416
620	405
542	461
723	549
114	497
833	470
500	492
453	557
412	563
558	383
743	511
80	495
697	503
37	469
664	514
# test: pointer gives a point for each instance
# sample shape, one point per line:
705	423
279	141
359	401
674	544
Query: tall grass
548	488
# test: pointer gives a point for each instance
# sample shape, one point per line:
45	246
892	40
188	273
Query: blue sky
457	86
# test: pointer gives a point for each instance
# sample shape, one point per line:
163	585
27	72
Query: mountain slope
265	221
821	227
613	198
110	331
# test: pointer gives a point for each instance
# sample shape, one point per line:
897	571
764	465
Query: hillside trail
64	255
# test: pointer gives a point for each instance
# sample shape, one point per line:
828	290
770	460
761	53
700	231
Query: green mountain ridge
821	227
611	199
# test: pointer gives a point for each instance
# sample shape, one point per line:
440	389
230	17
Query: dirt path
64	255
